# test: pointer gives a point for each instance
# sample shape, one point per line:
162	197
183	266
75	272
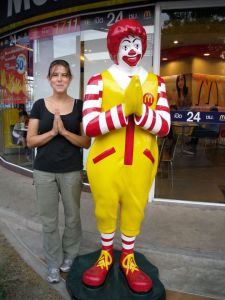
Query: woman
55	129
19	134
183	99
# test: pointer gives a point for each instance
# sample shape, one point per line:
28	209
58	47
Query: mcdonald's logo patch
222	117
208	92
147	14
148	99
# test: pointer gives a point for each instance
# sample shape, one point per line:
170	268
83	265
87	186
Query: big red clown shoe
125	109
96	275
138	281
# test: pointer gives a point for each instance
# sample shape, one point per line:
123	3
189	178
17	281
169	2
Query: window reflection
192	63
16	82
24	65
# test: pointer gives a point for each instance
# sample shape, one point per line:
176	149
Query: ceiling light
97	56
24	47
175	42
206	54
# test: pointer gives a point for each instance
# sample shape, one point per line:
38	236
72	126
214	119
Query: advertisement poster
179	91
208	90
193	96
13	71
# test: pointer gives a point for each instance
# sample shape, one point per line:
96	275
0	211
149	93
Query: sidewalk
185	242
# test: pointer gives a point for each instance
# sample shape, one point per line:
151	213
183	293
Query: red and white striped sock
128	243
107	241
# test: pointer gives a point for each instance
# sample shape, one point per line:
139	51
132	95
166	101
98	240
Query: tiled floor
203	173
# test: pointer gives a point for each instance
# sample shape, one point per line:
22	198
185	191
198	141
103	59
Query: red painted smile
132	60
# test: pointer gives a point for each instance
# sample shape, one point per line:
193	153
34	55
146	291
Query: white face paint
130	51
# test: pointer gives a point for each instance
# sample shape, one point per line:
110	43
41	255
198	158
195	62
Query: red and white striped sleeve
156	121
96	122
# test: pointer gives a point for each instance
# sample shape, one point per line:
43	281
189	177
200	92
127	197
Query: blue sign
198	116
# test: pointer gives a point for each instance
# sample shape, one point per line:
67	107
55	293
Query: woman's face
130	51
59	79
181	82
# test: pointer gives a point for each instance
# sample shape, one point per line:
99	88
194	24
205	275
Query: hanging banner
13	72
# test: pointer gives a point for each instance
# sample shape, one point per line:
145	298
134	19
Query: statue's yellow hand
133	97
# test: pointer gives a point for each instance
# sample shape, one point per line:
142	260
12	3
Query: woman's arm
34	139
82	140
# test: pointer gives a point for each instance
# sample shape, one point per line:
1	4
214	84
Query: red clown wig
119	31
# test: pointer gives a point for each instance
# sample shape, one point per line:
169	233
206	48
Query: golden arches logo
147	14
222	117
148	99
208	92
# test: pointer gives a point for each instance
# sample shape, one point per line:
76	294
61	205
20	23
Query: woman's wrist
64	132
53	133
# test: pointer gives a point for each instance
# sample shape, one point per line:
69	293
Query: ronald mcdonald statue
125	108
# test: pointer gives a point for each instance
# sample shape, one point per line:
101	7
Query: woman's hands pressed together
58	126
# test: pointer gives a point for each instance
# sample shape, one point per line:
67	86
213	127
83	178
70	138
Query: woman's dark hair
185	88
60	62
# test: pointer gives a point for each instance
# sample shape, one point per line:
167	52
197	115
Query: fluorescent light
88	35
149	29
97	56
24	47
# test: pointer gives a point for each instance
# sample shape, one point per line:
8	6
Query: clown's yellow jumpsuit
123	160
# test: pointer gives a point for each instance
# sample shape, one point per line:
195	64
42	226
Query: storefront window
193	65
60	40
192	160
24	63
16	96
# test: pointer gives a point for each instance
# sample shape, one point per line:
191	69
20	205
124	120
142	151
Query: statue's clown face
130	51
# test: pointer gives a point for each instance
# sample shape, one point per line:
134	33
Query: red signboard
56	28
13	72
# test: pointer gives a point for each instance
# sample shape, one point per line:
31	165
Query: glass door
193	66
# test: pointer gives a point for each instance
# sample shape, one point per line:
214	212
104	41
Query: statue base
115	286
